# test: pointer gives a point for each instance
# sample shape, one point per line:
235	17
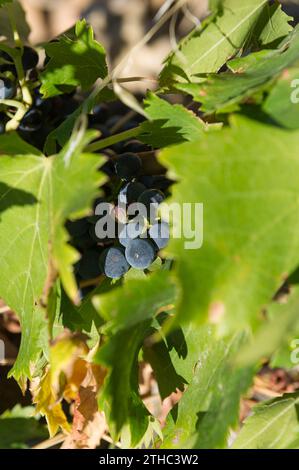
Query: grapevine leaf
12	144
121	308
207	49
279	106
275	335
273	425
225	89
37	195
129	318
242	177
210	405
48	405
169	124
122	404
73	62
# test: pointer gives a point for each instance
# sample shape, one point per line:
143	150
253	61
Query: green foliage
204	317
244	219
33	209
210	404
18	428
209	47
273	425
74	62
222	91
169	124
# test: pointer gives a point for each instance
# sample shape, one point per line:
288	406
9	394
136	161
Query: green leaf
122	308
242	177
223	90
3	2
18	428
12	144
210	405
73	62
207	49
37	195
122	404
169	124
279	105
273	425
129	316
275	335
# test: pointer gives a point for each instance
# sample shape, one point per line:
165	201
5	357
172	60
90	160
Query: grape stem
26	95
13	124
114	139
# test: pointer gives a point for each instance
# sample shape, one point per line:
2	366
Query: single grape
77	227
159	233
151	198
88	265
7	88
32	121
130	231
128	166
140	253
29	58
130	193
44	105
113	262
100	115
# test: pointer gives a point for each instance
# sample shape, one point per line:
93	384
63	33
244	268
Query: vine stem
26	95
13	123
114	139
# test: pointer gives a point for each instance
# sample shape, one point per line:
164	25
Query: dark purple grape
100	115
29	58
128	166
151	198
159	233
130	193
88	265
32	121
140	253
113	262
155	182
130	231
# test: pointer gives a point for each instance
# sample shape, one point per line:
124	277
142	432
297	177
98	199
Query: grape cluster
134	175
44	115
137	240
